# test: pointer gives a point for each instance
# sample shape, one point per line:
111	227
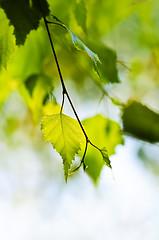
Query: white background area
34	206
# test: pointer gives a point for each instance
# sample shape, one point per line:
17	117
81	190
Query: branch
65	92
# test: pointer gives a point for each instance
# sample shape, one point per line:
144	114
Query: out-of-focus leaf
139	2
65	135
7	41
107	69
150	157
24	16
63	12
34	91
102	132
30	57
141	122
80	14
7	85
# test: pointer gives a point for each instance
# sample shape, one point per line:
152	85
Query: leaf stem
94	146
59	24
63	99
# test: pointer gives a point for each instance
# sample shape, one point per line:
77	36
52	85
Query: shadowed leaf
79	45
80	14
141	122
107	69
24	16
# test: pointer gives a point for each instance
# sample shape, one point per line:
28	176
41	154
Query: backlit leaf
141	122
102	132
65	135
30	57
51	108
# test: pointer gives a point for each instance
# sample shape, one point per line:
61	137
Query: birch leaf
65	135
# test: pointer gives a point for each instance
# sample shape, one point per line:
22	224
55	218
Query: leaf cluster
45	42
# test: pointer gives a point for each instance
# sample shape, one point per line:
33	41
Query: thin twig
54	53
59	24
94	146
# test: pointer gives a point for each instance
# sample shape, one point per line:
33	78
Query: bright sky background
36	207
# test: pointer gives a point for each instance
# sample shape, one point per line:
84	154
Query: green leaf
50	108
80	14
79	45
24	16
101	131
141	122
139	2
7	41
65	135
107	69
30	57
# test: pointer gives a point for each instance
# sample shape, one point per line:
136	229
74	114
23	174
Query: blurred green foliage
122	39
141	122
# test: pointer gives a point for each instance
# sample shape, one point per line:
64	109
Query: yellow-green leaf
30	57
7	40
139	2
102	132
65	135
